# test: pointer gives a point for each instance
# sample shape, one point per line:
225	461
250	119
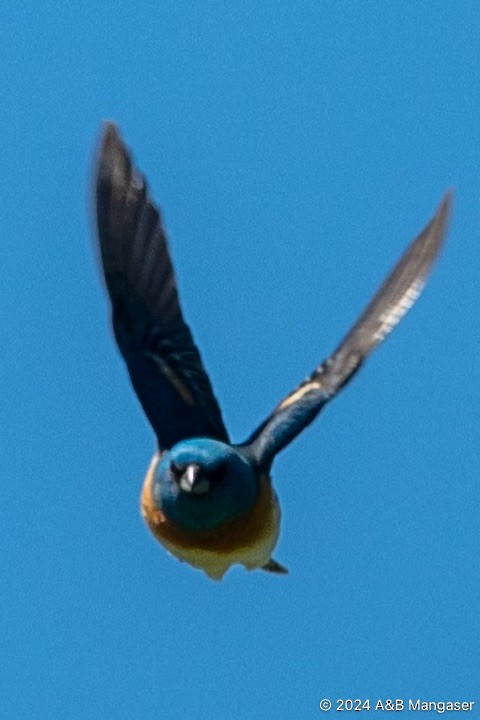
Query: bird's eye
217	475
176	469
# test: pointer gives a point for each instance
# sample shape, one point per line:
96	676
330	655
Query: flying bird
208	501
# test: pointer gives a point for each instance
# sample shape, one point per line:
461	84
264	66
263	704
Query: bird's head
201	483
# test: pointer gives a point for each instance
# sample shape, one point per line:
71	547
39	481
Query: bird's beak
193	482
189	477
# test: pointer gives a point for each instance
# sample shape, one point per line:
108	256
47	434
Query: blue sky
295	149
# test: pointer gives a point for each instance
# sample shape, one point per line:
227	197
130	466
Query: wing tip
448	196
446	203
113	158
109	136
431	239
443	214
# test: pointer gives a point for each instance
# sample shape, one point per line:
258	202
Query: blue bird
210	502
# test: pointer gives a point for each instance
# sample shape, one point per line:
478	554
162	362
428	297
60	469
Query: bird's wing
164	364
394	298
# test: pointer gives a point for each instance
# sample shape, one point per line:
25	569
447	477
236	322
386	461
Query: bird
208	501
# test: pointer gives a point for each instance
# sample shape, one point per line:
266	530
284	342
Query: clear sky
295	149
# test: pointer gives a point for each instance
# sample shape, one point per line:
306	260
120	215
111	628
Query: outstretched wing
163	362
394	298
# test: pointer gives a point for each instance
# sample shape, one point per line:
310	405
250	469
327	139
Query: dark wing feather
394	298
164	364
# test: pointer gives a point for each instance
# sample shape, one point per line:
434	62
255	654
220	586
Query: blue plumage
211	503
231	485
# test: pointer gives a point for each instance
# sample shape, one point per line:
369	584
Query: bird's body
210	502
247	540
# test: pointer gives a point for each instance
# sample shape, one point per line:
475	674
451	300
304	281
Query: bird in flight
208	501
